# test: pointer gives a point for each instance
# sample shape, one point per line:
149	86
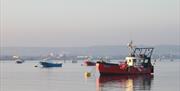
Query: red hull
121	69
89	63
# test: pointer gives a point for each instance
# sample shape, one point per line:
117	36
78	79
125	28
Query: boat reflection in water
124	83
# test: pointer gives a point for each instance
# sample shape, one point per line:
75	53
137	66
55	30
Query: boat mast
131	48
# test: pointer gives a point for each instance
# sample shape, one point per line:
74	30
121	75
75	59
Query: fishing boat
137	62
50	63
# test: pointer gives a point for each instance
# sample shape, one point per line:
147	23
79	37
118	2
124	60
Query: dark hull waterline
48	64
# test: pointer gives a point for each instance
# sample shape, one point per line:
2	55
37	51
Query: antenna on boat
131	48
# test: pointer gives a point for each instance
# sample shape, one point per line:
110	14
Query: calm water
26	77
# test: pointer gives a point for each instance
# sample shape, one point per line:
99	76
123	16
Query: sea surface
70	77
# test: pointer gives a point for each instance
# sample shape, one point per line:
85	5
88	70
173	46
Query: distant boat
50	63
87	62
74	61
18	60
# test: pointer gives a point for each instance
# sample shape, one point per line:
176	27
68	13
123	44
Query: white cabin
130	61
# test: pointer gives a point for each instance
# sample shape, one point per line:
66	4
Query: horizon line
87	46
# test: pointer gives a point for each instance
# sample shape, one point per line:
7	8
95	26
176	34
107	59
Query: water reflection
124	83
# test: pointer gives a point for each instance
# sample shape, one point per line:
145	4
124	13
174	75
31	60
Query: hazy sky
58	23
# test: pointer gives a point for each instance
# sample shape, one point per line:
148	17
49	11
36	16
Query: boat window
134	60
146	61
140	62
129	60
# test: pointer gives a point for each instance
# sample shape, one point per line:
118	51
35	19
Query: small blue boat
50	64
